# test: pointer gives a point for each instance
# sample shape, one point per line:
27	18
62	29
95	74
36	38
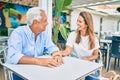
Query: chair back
115	49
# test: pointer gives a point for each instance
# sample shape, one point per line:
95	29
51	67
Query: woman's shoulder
72	36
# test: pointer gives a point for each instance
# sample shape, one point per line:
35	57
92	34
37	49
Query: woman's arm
94	56
66	51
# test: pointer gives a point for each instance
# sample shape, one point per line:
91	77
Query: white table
108	42
72	69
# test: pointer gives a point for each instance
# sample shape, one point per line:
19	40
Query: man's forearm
27	60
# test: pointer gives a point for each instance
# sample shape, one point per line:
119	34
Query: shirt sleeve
71	39
50	47
14	48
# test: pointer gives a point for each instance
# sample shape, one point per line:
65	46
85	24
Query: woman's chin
79	29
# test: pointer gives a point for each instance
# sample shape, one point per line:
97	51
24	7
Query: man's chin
44	29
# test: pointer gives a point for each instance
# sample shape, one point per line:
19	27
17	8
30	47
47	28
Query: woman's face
81	24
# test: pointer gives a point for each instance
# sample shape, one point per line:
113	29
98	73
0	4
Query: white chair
7	73
99	72
3	52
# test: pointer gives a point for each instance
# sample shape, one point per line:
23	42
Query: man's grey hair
33	14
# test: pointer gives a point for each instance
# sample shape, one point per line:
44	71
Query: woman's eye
79	21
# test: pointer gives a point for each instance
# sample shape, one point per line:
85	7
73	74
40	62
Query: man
28	42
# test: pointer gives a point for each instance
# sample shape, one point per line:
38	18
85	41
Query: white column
47	6
74	16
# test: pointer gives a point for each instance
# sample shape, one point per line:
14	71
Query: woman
83	43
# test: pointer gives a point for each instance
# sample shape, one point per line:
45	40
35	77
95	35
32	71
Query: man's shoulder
19	29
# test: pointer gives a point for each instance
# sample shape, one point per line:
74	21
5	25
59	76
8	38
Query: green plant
60	5
65	30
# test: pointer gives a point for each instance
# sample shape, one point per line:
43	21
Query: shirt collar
28	32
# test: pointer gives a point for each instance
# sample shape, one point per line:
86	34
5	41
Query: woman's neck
83	33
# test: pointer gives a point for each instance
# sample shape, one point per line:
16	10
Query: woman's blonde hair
90	29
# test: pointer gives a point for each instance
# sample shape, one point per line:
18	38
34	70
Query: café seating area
110	49
106	20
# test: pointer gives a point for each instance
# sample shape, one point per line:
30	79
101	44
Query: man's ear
35	22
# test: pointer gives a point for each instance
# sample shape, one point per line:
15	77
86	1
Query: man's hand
57	56
48	62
